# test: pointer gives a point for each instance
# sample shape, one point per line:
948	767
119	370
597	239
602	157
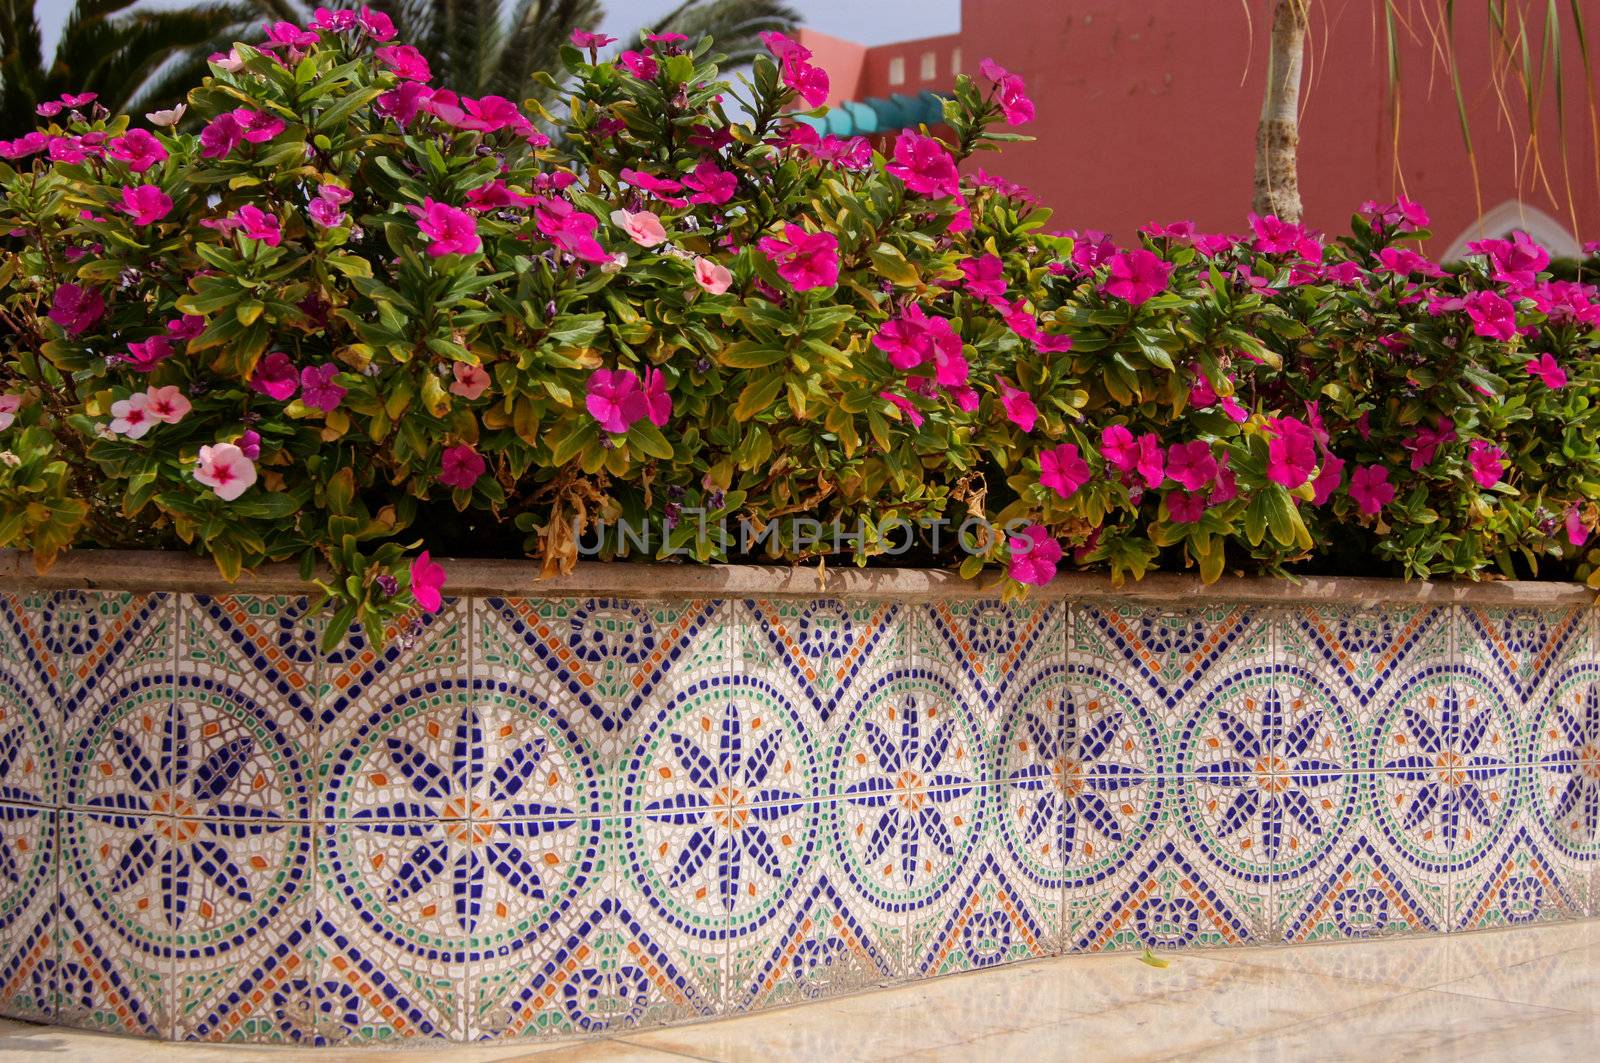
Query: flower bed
341	315
719	789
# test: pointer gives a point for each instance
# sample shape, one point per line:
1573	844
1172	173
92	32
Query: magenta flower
1010	93
489	114
1236	413
145	204
317	389
427	582
1328	479
905	406
257	127
1151	461
495	195
275	377
713	186
403	102
186	327
76	308
1034	555
138	148
985	276
1404	215
616	398
288	35
640	64
1292	452
1577	530
452	230
325	213
461	466
585	39
657	401
224	468
924	165
1118	448
405	62
1403	262
1516	261
1549	371
663	188
1063	470
805	260
1427	441
1485	459
220	136
1184	507
1019	406
809	82
570	229
1136	276
1370	487
1275	237
257	224
147	354
249	444
1492	316
1191	464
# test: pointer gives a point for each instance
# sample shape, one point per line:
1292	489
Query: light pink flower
1063	470
1549	371
1485	459
427	582
461	466
471	380
712	276
168	405
1034	555
9	405
131	416
616	398
452	230
145	204
1371	489
643	227
805	260
224	468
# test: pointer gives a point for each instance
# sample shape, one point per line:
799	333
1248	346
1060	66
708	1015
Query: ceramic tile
1523	880
822	652
1564	763
1171	651
988	651
1359	888
28	903
93	640
115	924
1520	649
30	720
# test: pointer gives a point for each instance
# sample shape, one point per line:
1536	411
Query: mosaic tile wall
526	818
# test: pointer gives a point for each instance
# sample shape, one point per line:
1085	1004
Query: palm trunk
1277	187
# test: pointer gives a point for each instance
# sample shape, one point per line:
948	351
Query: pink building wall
1147	111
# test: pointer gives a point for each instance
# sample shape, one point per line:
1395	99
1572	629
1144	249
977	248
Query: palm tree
477	46
130	59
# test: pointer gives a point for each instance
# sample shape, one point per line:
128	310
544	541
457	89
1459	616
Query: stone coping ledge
136	570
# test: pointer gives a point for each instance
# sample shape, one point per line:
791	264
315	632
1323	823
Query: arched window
1502	221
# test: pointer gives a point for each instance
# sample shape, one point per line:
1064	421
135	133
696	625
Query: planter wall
693	792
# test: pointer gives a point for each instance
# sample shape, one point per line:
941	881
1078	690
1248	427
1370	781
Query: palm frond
736	25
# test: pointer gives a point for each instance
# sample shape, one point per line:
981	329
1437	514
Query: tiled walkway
1526	994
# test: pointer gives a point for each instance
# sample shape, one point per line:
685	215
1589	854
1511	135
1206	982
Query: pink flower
471	380
9	405
494	195
1019	406
147	354
1062	470
1136	276
288	35
427	583
924	165
569	229
985	276
643	227
249	444
1034	555
1118	448
138	148
1485	460
810	82
593	41
220	136
1427	441
224	468
317	389
713	186
452	230
1236	413
403	102
145	204
805	260
1224	488
1328	479
1292	452
616	399
1370	487
1011	93
1151	462
1402	263
662	188
257	224
640	64
712	276
1184	507
904	405
1404	214
186	327
131	416
1577	530
489	114
76	308
658	403
256	126
1275	236
325	213
406	62
1549	371
168	405
461	467
329	21
275	377
1516	261
1492	316
1191	464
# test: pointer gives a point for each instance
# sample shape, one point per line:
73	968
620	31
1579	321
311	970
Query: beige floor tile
1569	980
1427	1025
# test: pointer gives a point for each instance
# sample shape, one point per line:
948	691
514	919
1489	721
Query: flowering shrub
350	304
